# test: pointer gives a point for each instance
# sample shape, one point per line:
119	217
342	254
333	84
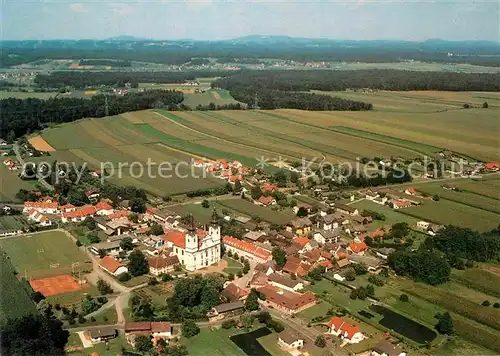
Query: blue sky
223	19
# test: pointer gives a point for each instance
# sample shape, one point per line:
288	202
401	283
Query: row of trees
276	99
302	80
105	62
28	115
118	79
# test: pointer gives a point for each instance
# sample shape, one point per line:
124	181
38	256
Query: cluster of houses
229	171
156	330
11	164
393	200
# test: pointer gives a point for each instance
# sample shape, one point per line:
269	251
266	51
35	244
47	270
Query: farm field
14	298
216	96
45	254
13	222
488	188
201	215
25	95
447	212
10	184
250	209
391	216
478	279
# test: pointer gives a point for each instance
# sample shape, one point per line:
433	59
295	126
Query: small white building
290	340
112	266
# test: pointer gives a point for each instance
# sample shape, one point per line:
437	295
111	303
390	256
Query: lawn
135	281
158	293
488	188
217	342
10	184
107	316
13	222
112	348
319	310
14	298
446	212
232	266
252	210
71	298
45	254
270	343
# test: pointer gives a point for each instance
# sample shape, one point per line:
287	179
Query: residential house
400	203
162	217
329	222
433	229
259	280
41	207
67	208
370	195
384	252
355	229
222	310
372	263
78	215
363	220
265	200
410	191
267	267
114	227
358	248
232	293
153	329
380	200
290	340
253	236
36	216
112	266
346	209
294	266
102	333
92	195
268	188
104	208
424	225
305	244
162	264
285	301
386	348
283	282
300	226
111	248
246	249
346	331
161	330
327	236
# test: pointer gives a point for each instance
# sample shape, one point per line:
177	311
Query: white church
196	248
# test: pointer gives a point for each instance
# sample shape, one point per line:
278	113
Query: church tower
191	236
214	228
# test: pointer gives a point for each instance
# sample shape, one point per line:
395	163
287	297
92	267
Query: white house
290	340
39	218
42	207
101	334
112	247
282	282
424	225
161	330
327	236
345	331
103	208
79	214
112	266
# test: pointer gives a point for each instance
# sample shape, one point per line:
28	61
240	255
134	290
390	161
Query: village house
113	226
384	252
162	264
372	263
363	220
283	282
386	348
346	209
300	226
162	217
295	267
328	222
222	310
41	207
232	293
36	216
370	195
111	248
306	207
345	331
380	200
305	244
267	267
79	215
196	248
67	208
327	236
268	188
285	301
424	225
112	266
400	203
265	200
154	329
104	208
290	340
254	236
433	229
246	249
92	195
358	248
101	334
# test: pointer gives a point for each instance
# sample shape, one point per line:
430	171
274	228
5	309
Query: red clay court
55	285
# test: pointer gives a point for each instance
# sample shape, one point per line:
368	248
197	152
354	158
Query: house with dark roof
222	310
300	226
285	282
386	348
327	236
285	301
372	263
162	264
346	209
289	339
101	333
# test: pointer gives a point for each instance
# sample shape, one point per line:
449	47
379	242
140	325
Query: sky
414	20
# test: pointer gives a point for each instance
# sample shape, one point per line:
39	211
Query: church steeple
215	218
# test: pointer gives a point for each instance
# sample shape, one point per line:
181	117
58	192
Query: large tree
189	328
445	324
252	301
279	256
138	264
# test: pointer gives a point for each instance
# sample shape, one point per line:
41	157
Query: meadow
14	298
10	184
13	222
45	254
252	210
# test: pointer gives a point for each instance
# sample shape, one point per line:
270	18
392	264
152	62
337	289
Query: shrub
105	319
486	303
92	319
71	321
228	324
496	305
230	276
403	298
240	274
78	243
81	320
123	277
229	253
152	281
320	341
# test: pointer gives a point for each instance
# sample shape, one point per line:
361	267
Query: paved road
42	181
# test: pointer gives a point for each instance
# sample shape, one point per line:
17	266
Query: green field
216	96
14	298
250	209
479	279
391	216
13	222
10	184
233	266
218	341
201	215
34	254
25	95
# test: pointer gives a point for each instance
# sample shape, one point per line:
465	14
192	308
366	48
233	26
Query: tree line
338	80
80	79
105	62
28	115
275	99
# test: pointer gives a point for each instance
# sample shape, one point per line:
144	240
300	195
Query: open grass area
200	214
112	348
13	222
10	184
233	266
72	298
488	188
216	96
250	209
45	254
478	279
25	95
217	341
391	216
15	300
158	293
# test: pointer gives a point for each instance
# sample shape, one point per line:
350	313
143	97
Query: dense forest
301	80
296	49
275	99
24	116
105	62
118	79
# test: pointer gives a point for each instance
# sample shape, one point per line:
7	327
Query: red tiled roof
377	234
247	247
178	238
336	323
492	165
357	247
158	327
411	190
82	212
289	300
269	187
301	241
67	206
138	326
118	214
401	203
102	205
40	205
265	200
235	178
110	263
162	262
345	328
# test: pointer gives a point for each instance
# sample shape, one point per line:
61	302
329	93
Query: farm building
346	209
101	334
285	301
112	266
222	310
386	348
246	249
162	264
